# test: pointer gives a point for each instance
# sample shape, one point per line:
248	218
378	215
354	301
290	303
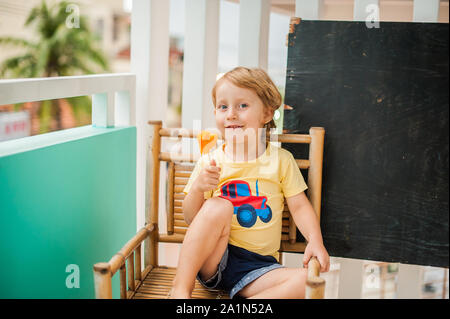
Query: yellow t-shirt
257	189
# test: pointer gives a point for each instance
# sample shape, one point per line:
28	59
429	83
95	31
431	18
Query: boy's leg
280	283
203	246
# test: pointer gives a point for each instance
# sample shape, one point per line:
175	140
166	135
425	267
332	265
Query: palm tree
59	50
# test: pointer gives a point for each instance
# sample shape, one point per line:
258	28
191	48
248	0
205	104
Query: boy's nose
231	114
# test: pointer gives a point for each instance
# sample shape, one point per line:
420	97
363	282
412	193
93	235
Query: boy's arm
192	204
304	217
307	222
203	179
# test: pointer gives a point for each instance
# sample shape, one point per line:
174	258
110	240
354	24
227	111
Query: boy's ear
269	115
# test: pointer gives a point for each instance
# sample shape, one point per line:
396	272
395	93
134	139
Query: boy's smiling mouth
234	126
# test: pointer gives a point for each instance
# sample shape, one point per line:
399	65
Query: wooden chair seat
158	282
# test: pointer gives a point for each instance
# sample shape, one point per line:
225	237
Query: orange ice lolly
206	141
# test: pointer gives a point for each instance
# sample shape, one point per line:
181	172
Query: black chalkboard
382	96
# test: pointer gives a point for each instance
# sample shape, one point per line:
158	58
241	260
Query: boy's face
239	112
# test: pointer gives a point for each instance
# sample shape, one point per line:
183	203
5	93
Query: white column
149	61
365	10
309	9
350	278
200	62
426	11
409	282
254	20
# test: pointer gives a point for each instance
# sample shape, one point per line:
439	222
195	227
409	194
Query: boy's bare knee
217	212
215	209
218	208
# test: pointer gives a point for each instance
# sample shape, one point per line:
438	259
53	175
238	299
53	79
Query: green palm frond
17	65
77	64
17	42
44	57
34	13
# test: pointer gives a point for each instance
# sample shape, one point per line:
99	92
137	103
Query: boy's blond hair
257	80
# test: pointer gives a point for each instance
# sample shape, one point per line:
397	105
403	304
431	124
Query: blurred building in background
107	18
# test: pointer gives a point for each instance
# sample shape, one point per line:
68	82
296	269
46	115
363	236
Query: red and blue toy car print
246	206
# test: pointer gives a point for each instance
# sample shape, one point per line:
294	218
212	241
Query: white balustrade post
351	275
200	61
426	10
150	63
409	281
254	20
309	9
124	108
103	109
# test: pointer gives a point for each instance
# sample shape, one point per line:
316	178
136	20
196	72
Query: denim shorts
237	268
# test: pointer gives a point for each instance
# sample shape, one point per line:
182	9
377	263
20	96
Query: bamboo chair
155	281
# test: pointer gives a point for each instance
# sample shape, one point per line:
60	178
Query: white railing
112	94
113	104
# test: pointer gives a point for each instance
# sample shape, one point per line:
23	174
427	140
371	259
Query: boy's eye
243	105
222	107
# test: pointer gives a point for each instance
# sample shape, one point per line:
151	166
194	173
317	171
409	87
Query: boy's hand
208	179
318	250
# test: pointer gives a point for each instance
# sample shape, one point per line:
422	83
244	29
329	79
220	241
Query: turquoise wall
72	200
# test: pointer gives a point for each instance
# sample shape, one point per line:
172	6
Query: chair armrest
315	285
104	271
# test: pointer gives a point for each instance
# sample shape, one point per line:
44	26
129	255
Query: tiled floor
380	281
